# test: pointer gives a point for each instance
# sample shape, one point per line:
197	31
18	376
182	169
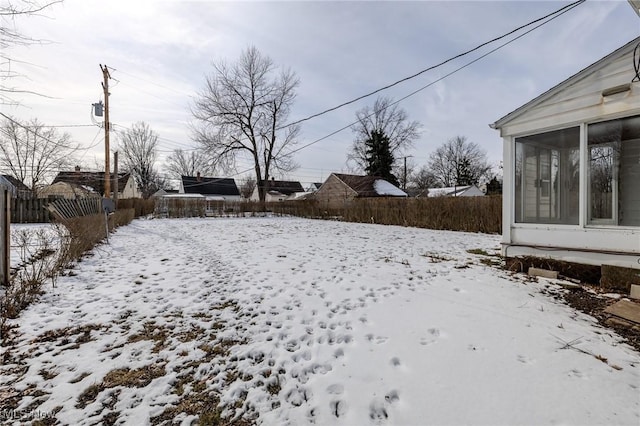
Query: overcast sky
159	53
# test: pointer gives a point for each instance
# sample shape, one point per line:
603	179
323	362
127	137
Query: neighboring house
180	205
67	190
339	189
210	187
279	190
455	191
216	191
572	167
17	188
314	187
161	192
94	181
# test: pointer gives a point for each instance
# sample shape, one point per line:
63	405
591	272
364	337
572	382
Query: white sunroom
571	188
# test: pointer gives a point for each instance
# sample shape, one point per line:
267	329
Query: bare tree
240	112
459	162
424	179
384	118
32	152
405	170
183	163
247	187
139	150
10	36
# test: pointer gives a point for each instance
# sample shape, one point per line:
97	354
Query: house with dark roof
91	183
572	165
279	190
224	189
339	189
314	186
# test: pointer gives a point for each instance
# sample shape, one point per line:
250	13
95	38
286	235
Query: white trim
583	199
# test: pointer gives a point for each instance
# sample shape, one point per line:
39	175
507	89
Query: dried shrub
469	214
140	206
46	252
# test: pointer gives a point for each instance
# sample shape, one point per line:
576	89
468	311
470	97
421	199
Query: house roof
452	191
67	187
17	185
370	186
209	186
284	187
596	66
94	180
161	192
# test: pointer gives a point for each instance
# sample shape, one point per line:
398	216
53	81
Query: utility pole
115	179
107	127
404	178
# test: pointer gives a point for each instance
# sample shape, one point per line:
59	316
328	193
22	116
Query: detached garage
572	167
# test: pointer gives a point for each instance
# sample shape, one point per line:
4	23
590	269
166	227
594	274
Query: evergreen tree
464	174
494	186
379	159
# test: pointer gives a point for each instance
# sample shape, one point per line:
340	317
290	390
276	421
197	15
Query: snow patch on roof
382	187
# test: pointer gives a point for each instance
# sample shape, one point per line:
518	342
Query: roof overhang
629	47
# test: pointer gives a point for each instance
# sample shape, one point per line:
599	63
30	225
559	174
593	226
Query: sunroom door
541	168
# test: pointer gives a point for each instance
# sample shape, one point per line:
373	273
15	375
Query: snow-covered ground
294	321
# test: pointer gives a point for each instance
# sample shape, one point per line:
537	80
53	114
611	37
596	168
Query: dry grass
151	331
125	377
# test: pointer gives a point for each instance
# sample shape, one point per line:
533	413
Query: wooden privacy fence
29	210
39	210
67	209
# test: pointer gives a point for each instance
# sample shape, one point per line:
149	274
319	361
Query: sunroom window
614	172
547	177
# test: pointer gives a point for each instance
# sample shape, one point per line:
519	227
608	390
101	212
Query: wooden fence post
5	224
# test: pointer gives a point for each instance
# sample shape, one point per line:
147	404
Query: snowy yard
293	321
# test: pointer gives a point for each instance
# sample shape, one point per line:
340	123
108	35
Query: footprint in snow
434	335
378	411
376	339
298	396
525	360
335	389
392	396
338	408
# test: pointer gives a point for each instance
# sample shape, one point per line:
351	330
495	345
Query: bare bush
41	253
469	214
45	253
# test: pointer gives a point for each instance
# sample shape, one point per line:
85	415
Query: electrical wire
636	63
439	79
148	81
560	11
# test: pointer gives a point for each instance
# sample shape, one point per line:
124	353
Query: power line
180	145
148	81
62	125
562	9
558	13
